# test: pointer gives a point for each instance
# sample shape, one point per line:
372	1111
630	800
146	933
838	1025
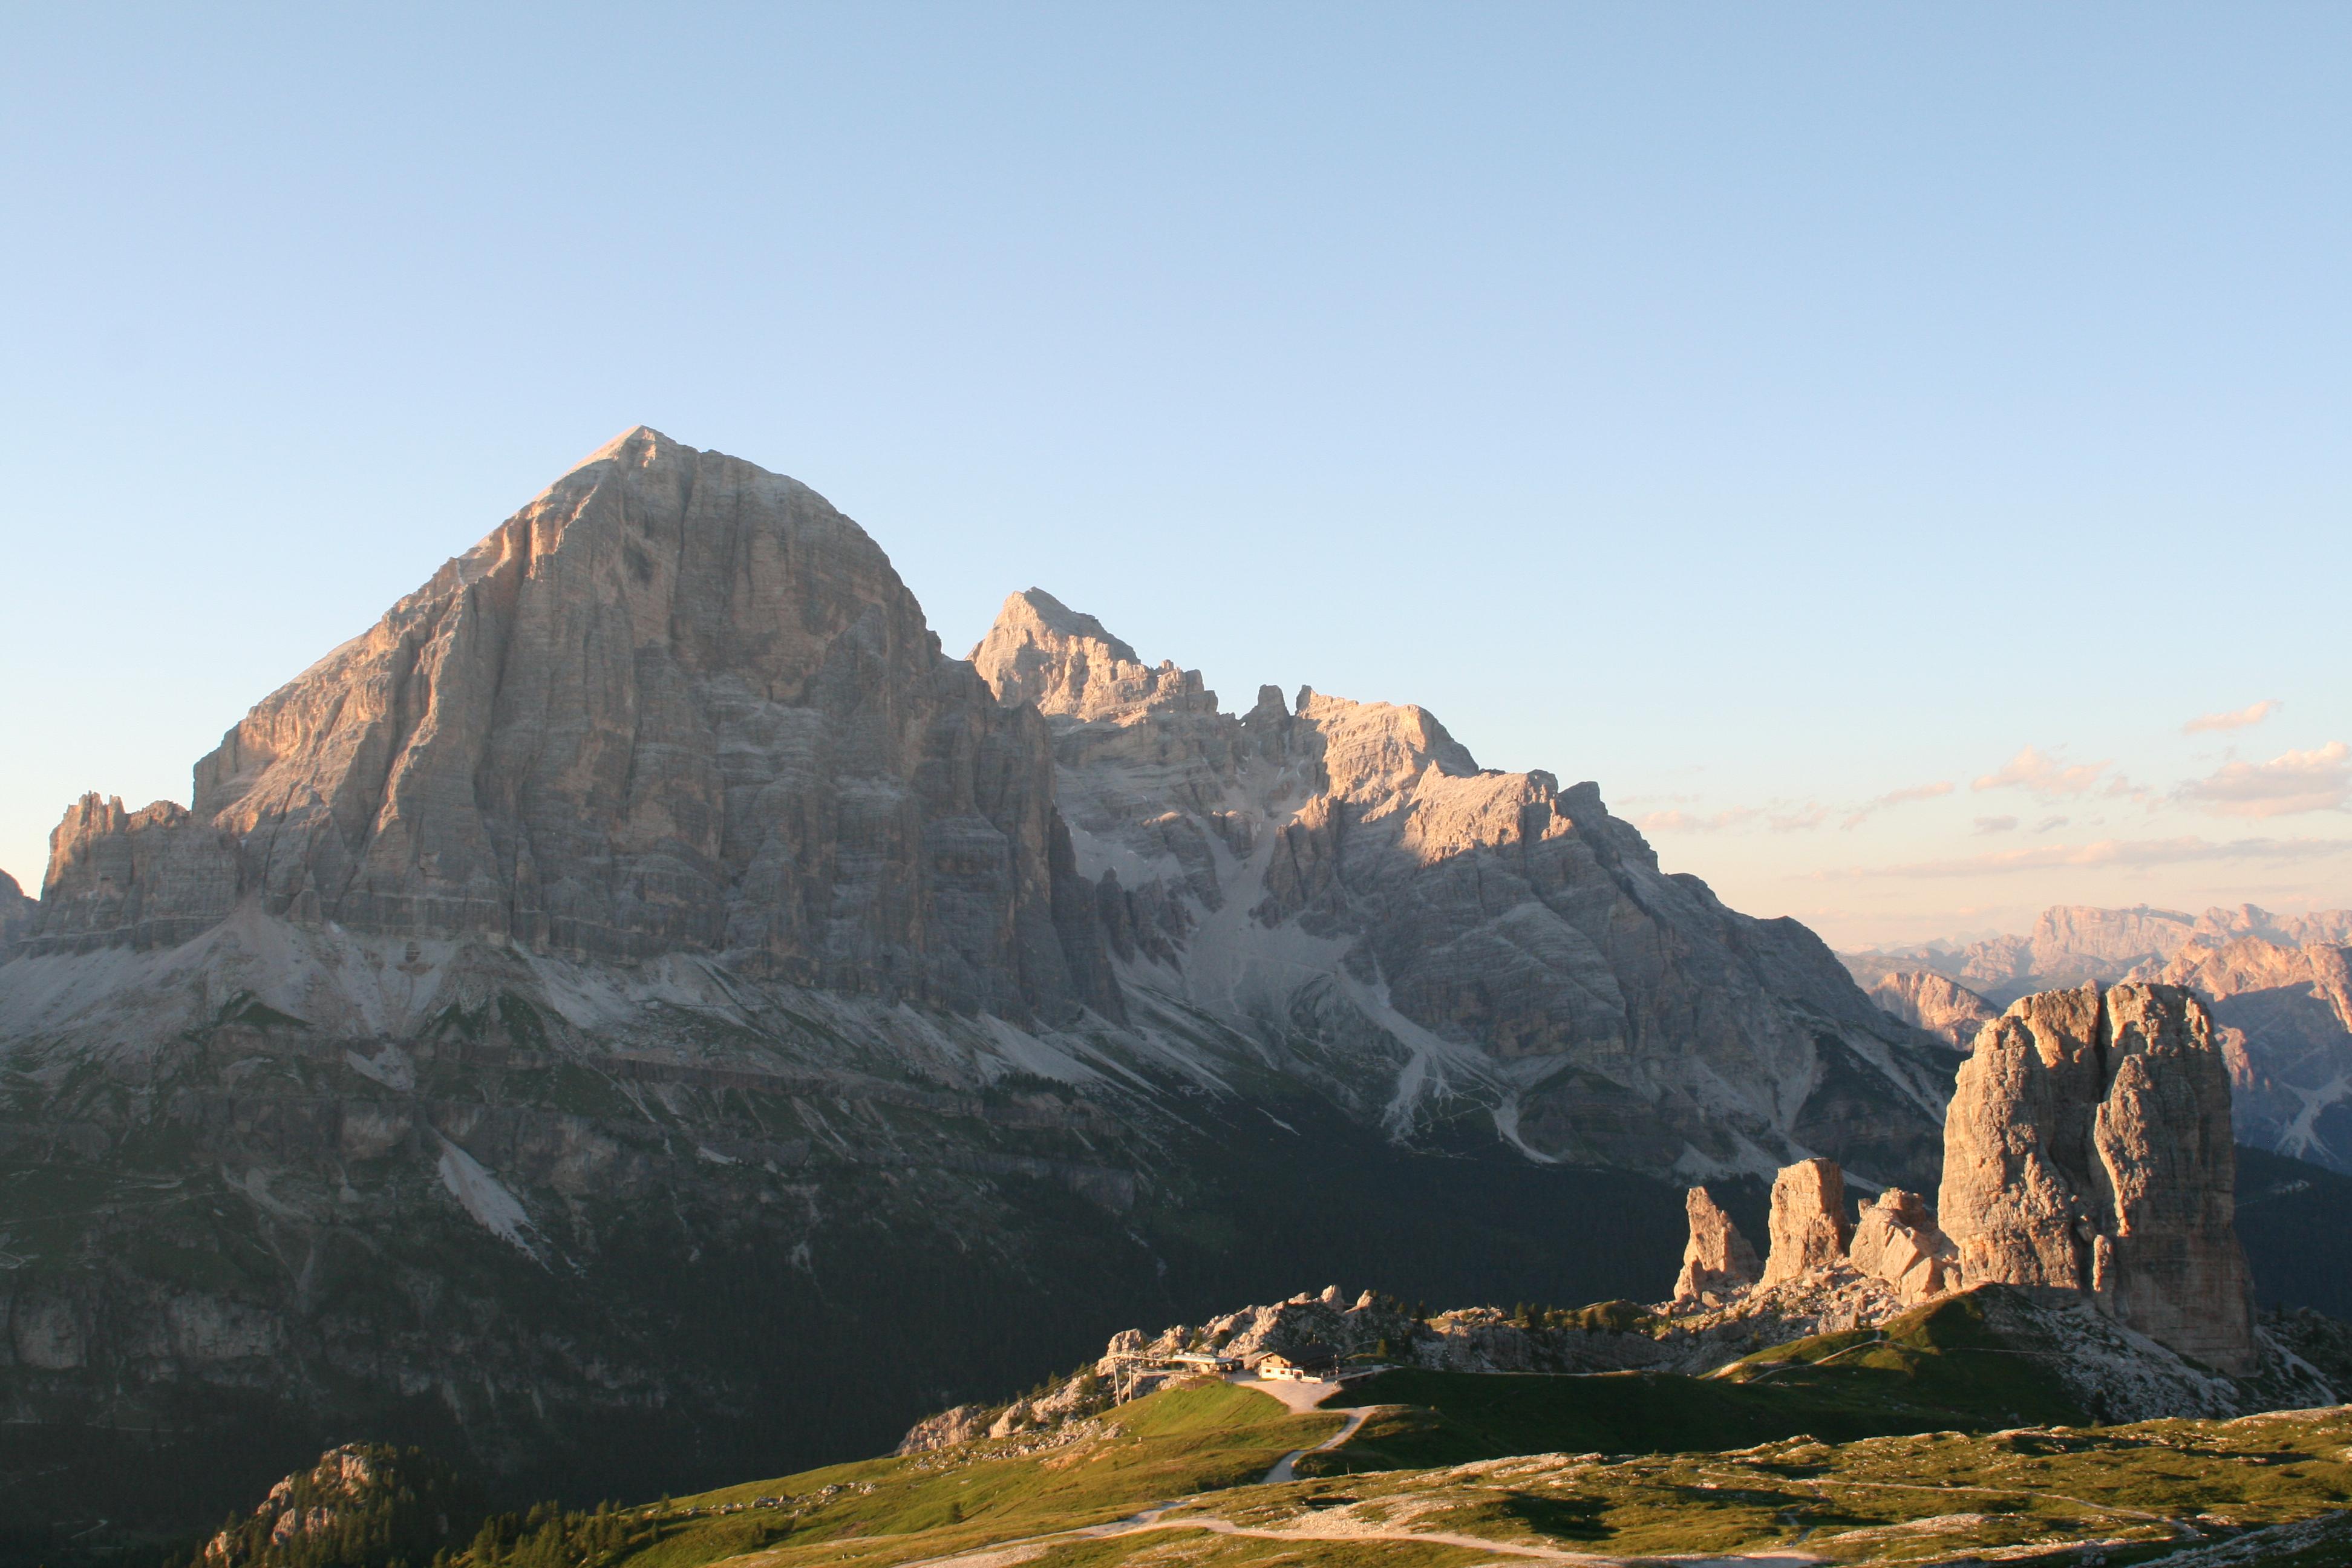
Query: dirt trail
1007	1553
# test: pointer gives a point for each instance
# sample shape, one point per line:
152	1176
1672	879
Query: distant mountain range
2072	943
2278	984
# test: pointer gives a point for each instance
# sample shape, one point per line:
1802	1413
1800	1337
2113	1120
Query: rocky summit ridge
2072	944
1342	881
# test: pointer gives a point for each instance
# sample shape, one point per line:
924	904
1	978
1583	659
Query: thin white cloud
2290	782
2040	773
2251	714
1780	815
2108	853
1863	813
1786	816
1990	825
1799	818
1679	821
2048	823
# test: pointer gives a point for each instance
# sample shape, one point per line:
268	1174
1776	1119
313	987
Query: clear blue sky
1761	410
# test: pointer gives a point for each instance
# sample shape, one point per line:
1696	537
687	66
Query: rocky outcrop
2111	1372
1823	1274
676	703
1718	1259
956	1424
1926	1000
1809	1228
1369	1329
366	1505
1340	882
153	878
1898	1240
2283	1012
2088	1147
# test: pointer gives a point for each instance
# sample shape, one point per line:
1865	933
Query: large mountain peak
639	444
1035	614
675	702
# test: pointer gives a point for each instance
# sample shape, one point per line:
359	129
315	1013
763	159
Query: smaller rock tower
1718	1259
1810	1229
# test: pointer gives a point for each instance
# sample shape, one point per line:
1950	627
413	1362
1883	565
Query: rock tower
1718	1259
2088	1147
1810	1229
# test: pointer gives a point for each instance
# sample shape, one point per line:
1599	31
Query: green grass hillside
2118	1495
1169	1447
2276	1485
1939	1367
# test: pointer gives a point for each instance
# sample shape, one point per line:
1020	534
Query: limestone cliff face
2088	1147
2283	1012
152	877
1810	1229
676	703
1898	1240
1342	882
1927	1001
1718	1259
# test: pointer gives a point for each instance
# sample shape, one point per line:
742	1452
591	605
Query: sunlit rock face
2088	1147
1718	1259
152	877
1927	1001
676	703
1896	1239
1809	1230
2283	1013
1431	940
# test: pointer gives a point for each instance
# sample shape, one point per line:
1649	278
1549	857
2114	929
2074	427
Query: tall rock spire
1718	1259
2088	1147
